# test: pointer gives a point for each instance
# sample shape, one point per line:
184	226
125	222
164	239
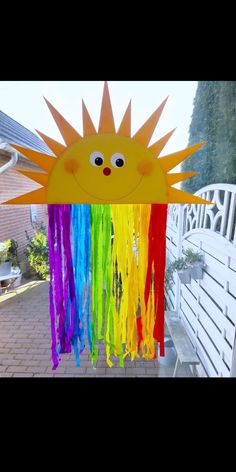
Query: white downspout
12	162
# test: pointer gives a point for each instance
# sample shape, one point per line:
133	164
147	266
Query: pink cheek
145	167
71	165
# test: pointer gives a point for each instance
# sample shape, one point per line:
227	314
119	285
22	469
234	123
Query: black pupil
98	161
119	162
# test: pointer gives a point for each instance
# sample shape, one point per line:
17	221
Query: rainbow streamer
107	267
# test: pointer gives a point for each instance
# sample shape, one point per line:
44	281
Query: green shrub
37	255
10	252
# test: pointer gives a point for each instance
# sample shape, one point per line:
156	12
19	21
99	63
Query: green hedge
213	120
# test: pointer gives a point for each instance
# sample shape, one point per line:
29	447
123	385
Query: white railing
207	307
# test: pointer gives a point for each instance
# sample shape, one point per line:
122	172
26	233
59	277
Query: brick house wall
15	219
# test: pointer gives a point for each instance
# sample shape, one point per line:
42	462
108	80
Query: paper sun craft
107	196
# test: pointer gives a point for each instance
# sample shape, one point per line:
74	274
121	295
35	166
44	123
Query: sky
23	101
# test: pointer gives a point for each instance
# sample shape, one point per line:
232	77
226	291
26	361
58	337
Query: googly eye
117	160
96	158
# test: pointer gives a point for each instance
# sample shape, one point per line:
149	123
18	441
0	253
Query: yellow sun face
107	166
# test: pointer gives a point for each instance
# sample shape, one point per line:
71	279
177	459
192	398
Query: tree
214	121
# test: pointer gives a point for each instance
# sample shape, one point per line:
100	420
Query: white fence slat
214	334
211	350
188	313
218	317
225	213
230	227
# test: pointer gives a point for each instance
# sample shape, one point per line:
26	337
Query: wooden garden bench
185	351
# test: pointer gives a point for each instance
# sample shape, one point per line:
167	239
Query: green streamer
101	246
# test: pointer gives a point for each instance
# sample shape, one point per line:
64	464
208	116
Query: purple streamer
62	292
51	244
69	268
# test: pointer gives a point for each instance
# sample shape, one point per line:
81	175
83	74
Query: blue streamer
81	250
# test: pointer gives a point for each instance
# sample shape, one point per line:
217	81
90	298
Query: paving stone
76	371
18	350
135	370
16	369
67	375
97	371
26	374
22	357
44	375
152	372
31	363
115	371
36	369
42	357
9	361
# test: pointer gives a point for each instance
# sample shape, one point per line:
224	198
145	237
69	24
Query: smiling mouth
105	199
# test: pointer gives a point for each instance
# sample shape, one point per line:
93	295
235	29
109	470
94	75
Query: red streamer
156	261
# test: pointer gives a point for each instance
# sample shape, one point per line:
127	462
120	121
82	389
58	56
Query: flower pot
196	270
17	282
184	276
5	268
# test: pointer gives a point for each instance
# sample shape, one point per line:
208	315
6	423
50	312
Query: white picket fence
207	307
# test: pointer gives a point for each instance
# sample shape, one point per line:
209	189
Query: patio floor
25	343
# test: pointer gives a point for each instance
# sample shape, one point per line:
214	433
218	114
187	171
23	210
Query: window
33	213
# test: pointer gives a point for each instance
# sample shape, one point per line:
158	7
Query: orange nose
106	171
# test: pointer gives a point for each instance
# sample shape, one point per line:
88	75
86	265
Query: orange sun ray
69	134
88	126
38	177
157	147
125	126
175	178
56	148
44	161
178	196
106	122
144	134
172	160
37	196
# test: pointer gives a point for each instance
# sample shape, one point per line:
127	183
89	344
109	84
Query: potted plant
13	257
195	262
12	253
9	263
169	279
168	282
5	258
183	270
